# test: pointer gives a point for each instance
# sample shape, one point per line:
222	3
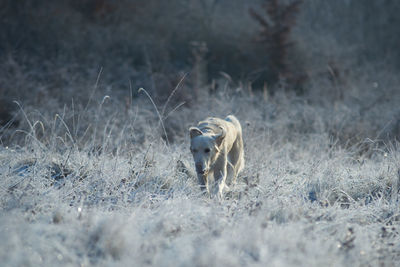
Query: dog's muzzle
200	170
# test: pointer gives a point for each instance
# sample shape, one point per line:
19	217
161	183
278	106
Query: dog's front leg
202	179
219	183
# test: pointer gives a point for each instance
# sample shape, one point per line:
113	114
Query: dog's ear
194	131
220	137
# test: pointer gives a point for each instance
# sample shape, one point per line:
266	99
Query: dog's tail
235	122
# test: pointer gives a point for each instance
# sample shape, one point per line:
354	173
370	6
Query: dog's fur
217	148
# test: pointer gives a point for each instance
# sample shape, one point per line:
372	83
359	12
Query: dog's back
235	121
213	125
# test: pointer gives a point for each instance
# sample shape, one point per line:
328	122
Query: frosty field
98	186
95	172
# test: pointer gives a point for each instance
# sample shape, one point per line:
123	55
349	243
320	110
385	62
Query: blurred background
94	172
325	52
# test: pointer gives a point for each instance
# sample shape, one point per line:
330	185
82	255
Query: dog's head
205	148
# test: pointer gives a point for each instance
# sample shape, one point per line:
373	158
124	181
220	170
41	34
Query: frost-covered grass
97	186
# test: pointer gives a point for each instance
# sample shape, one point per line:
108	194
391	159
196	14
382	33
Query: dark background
54	51
125	37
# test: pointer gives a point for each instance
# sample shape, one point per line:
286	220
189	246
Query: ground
97	185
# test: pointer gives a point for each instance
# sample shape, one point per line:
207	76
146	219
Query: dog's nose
199	169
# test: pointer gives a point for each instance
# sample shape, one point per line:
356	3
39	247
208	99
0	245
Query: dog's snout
199	168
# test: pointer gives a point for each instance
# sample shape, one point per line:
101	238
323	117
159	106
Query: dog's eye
207	150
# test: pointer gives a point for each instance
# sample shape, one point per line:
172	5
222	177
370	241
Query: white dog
217	148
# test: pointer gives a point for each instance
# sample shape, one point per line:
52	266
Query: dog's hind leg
235	159
231	173
236	155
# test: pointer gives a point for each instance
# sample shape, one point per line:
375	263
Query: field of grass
94	173
97	185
